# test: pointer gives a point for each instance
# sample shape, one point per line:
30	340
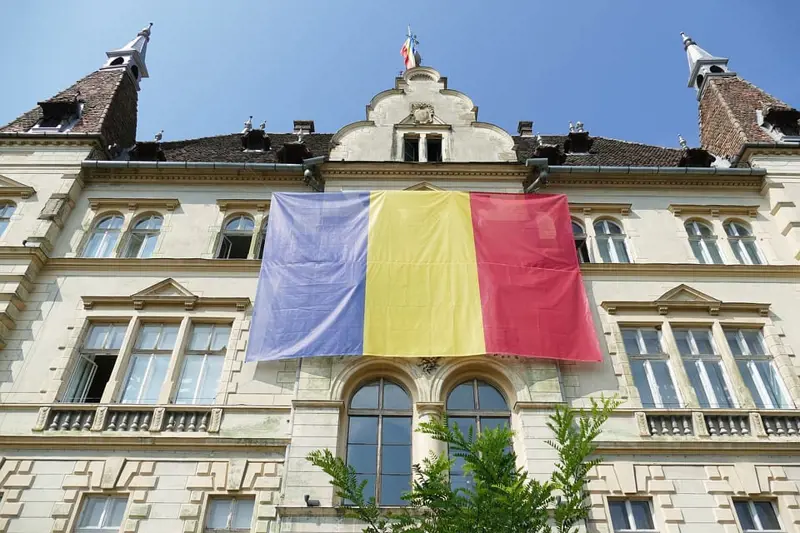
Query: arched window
703	242
379	440
582	249
104	237
143	237
6	210
236	237
262	239
743	243
611	242
474	405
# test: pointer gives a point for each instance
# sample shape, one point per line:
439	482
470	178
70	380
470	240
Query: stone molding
134	203
167	293
687	210
600	208
685	298
13	189
258	204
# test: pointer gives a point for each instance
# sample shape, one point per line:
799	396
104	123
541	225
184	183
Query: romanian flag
409	53
413	273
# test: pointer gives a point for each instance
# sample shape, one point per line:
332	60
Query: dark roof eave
578	169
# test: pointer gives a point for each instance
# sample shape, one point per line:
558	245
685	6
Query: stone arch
361	369
488	369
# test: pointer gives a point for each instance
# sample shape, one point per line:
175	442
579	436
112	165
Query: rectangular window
147	369
629	516
101	514
757	369
95	363
650	367
757	515
229	515
202	364
704	367
434	149
410	148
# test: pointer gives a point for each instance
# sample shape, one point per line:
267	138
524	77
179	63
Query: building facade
129	270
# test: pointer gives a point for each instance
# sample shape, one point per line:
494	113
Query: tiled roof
228	148
605	152
98	91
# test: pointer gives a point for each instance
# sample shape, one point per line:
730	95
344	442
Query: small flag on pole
411	56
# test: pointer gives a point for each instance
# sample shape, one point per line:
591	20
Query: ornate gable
166	293
685	298
423	186
13	189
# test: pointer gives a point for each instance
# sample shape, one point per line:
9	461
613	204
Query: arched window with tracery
143	237
581	247
237	234
703	242
379	440
104	237
611	242
474	405
743	243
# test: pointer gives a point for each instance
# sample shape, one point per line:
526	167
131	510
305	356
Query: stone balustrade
718	423
129	419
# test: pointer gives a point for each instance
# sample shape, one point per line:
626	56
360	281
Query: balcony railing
129	419
718	423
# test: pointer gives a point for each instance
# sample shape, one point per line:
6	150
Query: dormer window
782	123
411	148
59	116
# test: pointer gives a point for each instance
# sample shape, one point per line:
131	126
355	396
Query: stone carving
216	420
429	364
422	113
100	419
41	418
158	419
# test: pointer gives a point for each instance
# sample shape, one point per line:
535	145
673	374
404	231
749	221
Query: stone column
422	444
423	147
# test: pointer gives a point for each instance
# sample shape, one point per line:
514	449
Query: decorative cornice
190	176
714	210
685	298
599	207
672	270
656	181
134	203
13	189
425	171
186	302
154	265
259	204
317	404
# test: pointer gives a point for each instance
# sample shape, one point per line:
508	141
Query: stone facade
171	461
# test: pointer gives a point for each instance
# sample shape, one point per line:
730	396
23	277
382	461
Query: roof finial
159	136
701	63
683	142
687	41
131	56
248	125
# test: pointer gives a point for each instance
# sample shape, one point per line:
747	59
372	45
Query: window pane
395	397
702	338
697	384
96	338
464	424
641	514
220	338
369	488
148	246
715	376
366	397
630	339
148	335
363	458
766	513
622	252
642	385
92	512
713	249
736	246
201	335
493	422
651	340
753	340
396	430
576	229
134	244
78	383
682	340
603	243
192	366
773	383
218	511
460	481
666	388
115	336
392	488
3	225
93	245
243	514
136	376
116	512
697	249
158	373
743	512
168	336
747	376
752	252
619	515
490	399
462	397
210	383
396	460
732	336
363	429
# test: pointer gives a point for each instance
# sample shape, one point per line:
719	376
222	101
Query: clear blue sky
616	65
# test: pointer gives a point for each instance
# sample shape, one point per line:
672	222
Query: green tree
501	497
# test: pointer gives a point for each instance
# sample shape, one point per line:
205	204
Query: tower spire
701	63
131	57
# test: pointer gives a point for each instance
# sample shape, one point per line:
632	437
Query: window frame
704	242
697	357
225	232
262	237
126	251
380	413
153	353
755	375
108	498
411	139
83	354
94	229
581	242
631	517
646	357
736	241
186	352
436	138
609	239
754	515
5	216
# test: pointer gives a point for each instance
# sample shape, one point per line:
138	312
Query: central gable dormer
423	121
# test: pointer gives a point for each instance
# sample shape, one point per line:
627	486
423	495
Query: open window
236	238
410	148
434	148
95	363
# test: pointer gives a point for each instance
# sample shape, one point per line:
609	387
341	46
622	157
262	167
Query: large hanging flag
409	51
413	273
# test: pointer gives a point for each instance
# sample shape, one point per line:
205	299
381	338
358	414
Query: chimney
303	127
525	128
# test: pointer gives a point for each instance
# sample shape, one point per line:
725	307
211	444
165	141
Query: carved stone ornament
429	364
422	112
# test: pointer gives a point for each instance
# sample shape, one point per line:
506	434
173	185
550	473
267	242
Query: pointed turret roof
701	62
